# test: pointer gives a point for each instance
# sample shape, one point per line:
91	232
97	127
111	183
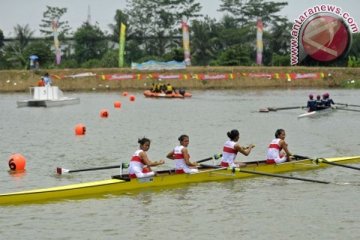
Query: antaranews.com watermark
322	33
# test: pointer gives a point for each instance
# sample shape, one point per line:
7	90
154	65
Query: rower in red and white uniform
231	148
277	148
181	157
140	164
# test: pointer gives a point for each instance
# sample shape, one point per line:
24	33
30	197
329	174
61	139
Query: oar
60	170
323	160
348	105
216	157
278	109
280	176
347	109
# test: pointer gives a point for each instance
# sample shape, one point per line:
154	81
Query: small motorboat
149	93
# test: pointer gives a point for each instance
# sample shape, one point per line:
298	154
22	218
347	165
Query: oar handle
216	157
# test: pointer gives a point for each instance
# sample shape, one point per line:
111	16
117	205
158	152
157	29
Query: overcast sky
13	12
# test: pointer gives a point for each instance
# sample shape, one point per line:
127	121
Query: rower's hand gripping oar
60	170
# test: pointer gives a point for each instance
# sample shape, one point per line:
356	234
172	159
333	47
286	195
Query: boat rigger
122	183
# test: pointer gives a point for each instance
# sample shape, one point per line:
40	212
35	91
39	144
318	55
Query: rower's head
280	133
144	143
184	140
311	96
233	135
318	97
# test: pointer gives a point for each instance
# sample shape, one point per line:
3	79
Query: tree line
154	33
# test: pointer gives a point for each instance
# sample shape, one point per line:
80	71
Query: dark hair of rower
233	134
143	140
182	137
279	132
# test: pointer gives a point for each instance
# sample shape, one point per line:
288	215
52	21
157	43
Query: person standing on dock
140	164
231	148
181	157
277	148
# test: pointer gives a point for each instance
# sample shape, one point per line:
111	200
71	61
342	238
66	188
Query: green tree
90	43
236	55
355	47
120	17
54	14
42	50
14	52
157	22
1	38
277	44
110	59
204	40
247	11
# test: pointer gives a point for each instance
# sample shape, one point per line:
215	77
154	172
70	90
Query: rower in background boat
231	148
319	103
327	101
140	164
311	104
182	157
278	151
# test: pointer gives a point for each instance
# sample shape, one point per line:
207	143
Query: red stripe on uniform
229	150
274	146
178	156
136	159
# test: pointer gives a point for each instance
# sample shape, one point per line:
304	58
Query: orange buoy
125	94
17	162
80	129
132	98
104	113
117	104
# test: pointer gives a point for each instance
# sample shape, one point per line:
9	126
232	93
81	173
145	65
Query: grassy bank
20	81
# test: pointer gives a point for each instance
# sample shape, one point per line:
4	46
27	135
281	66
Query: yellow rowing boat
206	173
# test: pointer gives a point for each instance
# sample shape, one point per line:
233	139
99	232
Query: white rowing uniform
273	153
180	164
137	167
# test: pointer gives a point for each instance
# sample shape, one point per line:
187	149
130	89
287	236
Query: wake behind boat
47	96
122	183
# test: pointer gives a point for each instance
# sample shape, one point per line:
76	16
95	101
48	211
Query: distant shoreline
199	78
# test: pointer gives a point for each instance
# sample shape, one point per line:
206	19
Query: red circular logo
325	37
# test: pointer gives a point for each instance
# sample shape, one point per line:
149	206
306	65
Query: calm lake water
258	208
